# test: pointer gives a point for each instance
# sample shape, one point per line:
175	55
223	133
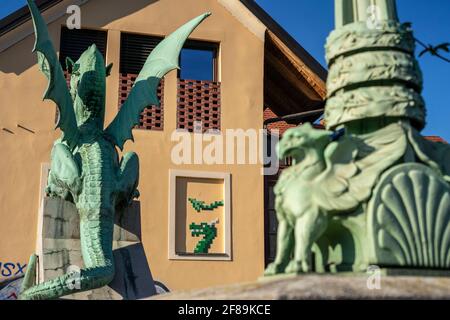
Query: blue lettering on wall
11	269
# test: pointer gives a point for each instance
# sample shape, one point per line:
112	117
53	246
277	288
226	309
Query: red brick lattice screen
281	126
152	118
198	101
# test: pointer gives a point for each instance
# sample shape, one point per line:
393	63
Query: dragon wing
163	59
354	165
57	90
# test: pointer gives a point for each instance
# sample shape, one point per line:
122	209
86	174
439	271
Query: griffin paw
297	267
273	269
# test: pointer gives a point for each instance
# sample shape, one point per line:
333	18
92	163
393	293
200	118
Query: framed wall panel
199	215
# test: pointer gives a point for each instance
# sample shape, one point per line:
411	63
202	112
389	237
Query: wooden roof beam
313	79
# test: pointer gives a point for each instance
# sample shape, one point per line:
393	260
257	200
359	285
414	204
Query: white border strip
45	168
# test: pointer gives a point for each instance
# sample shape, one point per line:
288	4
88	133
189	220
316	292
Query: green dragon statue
85	166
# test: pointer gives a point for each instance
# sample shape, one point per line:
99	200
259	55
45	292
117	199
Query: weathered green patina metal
379	194
85	166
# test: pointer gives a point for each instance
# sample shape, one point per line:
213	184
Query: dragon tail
70	283
98	260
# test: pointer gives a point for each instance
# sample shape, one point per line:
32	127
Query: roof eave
285	37
23	15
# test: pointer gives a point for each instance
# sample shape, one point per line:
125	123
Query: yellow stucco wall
22	153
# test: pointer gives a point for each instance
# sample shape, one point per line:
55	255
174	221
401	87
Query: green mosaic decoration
370	190
85	166
200	205
209	233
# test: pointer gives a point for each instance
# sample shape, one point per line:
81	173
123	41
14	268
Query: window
134	51
198	61
75	42
198	86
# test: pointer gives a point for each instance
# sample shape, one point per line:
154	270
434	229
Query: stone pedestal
321	287
61	252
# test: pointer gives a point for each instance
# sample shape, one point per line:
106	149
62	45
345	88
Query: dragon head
296	142
88	86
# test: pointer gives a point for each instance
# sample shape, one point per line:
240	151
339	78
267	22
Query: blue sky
310	22
8	6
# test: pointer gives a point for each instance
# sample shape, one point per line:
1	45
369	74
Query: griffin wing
355	164
57	90
163	59
434	154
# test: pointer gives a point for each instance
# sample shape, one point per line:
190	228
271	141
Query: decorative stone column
373	74
374	81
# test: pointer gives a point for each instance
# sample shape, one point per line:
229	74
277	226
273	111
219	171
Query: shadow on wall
22	51
133	278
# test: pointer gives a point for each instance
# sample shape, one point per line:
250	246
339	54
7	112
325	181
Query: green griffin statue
370	190
85	166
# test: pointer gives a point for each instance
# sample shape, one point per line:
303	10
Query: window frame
205	46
